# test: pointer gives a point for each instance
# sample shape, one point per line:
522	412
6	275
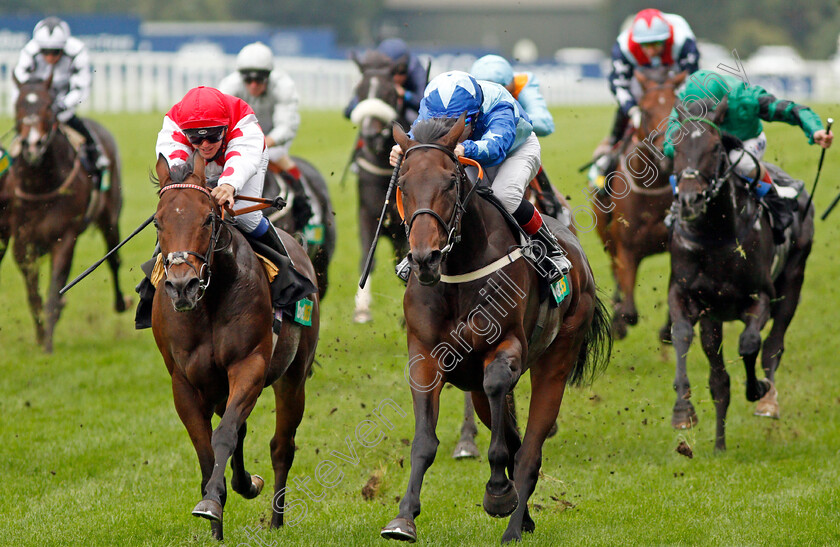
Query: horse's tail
594	354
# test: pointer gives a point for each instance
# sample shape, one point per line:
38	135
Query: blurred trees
812	27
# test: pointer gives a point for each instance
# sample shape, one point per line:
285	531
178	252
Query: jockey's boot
288	285
552	263
146	293
301	208
780	201
548	197
94	163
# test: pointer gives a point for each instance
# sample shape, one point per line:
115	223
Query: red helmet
201	107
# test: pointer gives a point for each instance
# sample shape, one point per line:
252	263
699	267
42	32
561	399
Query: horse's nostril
435	257
192	287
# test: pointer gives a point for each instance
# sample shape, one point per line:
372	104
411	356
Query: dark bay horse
725	267
54	202
213	327
630	218
379	105
483	331
321	249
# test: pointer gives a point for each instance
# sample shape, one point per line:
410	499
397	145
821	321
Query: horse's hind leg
625	267
243	483
111	232
290	398
466	447
197	422
62	258
711	337
27	261
749	344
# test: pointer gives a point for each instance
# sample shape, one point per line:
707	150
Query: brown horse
482	332
216	340
379	105
54	202
725	267
630	218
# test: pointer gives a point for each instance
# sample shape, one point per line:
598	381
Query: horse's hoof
216	531
400	529
208	509
503	504
123	304
684	418
465	449
768	406
762	388
362	316
511	535
528	525
665	334
553	431
619	330
257	484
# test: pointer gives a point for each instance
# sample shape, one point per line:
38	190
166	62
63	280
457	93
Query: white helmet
51	33
256	56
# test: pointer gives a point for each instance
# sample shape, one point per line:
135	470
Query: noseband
180	257
453	227
716	181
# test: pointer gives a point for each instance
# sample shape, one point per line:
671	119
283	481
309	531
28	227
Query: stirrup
403	269
556	267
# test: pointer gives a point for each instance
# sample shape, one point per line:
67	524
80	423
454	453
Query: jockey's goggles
51	51
201	134
657	43
254	76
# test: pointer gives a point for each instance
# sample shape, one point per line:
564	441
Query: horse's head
379	103
35	120
188	224
658	98
699	155
431	188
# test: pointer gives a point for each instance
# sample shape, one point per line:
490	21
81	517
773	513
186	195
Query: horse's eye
452	181
157	224
208	221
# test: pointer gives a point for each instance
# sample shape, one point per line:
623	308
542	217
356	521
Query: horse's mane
704	108
430	130
659	74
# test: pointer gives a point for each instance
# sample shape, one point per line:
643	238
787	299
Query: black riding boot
301	208
289	285
146	293
552	264
547	196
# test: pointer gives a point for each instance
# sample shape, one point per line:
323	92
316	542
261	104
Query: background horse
320	253
379	105
216	340
630	219
722	269
486	355
54	202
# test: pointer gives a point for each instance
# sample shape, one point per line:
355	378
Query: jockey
408	76
525	88
53	51
271	93
653	39
503	142
747	106
224	131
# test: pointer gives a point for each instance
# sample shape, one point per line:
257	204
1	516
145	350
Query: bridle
180	257
716	181
453	226
44	142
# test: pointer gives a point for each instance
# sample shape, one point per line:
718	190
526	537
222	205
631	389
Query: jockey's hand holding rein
823	138
396	152
223	194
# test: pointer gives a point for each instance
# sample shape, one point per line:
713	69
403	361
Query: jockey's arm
689	60
80	79
622	72
500	133
534	104
286	117
24	68
772	109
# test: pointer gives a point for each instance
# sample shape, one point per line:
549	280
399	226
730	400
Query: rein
62	190
453	227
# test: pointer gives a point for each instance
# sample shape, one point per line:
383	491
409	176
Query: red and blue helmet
649	26
451	94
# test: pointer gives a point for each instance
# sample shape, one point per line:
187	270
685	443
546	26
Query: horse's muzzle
184	292
692	205
426	265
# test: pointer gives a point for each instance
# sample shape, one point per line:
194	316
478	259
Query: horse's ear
720	111
401	137
678	79
198	167
162	171
454	136
644	80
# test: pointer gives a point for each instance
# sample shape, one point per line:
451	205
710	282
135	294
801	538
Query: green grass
93	453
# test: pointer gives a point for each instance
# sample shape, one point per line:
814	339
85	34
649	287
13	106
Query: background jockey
223	130
653	39
271	94
747	106
525	88
408	74
52	50
502	140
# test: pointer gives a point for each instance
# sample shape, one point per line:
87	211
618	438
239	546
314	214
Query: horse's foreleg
110	231
682	332
367	228
749	344
27	261
243	483
290	398
62	258
466	447
246	380
711	337
196	420
626	267
426	387
501	372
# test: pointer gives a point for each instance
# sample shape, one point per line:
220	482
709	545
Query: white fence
153	82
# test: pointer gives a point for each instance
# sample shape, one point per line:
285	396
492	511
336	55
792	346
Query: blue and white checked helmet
452	93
